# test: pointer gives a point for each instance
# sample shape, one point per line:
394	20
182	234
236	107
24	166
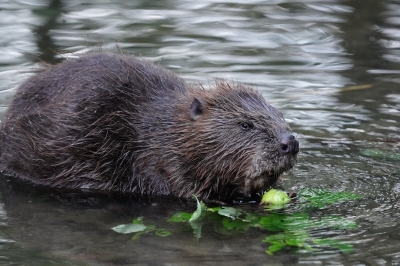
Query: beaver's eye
246	125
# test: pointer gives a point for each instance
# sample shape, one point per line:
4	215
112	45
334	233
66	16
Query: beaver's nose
289	144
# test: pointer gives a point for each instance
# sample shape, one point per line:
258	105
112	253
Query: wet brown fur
118	123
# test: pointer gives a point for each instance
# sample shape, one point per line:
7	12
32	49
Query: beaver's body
118	123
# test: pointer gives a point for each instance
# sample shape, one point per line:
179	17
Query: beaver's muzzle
288	144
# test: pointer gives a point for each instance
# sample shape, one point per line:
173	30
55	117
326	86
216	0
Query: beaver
115	122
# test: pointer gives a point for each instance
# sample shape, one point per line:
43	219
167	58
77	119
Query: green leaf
180	217
273	222
320	198
336	222
297	221
379	154
343	247
276	241
251	218
280	237
163	233
150	228
197	213
276	246
214	209
229	212
129	228
138	220
291	229
137	235
237	224
297	238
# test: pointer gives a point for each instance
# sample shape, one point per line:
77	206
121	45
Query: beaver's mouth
260	183
262	179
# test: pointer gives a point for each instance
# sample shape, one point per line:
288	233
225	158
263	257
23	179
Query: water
332	67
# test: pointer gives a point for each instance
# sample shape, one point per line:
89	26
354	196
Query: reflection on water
331	66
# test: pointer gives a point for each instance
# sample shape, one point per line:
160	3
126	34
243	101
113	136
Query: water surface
332	67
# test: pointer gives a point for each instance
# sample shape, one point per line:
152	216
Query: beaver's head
235	142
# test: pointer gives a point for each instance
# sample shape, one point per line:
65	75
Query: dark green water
332	67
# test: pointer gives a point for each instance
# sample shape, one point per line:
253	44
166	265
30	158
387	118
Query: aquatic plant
282	230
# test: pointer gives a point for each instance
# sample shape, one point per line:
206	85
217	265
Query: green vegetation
381	155
282	230
275	198
139	228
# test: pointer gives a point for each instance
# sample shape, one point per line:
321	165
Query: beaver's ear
196	108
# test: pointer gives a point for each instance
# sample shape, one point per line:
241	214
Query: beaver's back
92	76
74	125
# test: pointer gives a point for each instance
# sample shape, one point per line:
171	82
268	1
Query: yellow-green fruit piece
275	197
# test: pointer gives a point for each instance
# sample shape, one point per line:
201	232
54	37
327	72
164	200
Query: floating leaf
129	228
273	222
197	213
320	198
138	220
297	238
275	246
214	209
237	224
180	217
379	154
343	247
137	235
336	222
286	230
163	233
229	212
251	218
